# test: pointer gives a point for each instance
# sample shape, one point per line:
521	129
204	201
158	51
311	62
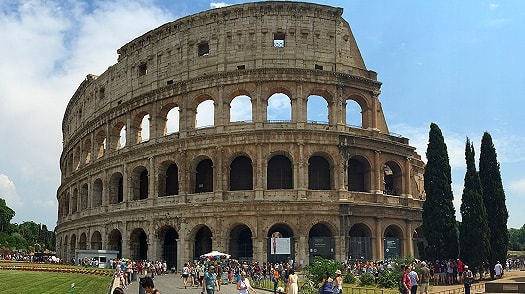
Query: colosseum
230	130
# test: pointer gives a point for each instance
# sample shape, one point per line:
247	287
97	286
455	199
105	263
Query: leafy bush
366	279
349	278
316	271
389	278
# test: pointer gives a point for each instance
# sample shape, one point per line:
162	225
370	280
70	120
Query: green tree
30	231
474	231
6	215
494	200
439	220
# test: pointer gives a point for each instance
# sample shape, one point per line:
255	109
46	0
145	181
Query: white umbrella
216	253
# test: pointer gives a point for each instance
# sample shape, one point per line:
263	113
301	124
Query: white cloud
218	4
493	6
8	192
51	47
518	187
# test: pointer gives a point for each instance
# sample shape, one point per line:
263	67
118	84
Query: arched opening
317	110
87	151
140	183
241	174
82	242
204	116
318	173
84	197
96	241
172	121
72	248
143	131
170	247
354	116
116	188
204	176
97	193
279	108
203	242
241	245
138	245
279	173
241	109
360	244
321	242
115	242
392	242
358	174
280	246
172	180
74	201
101	144
392	179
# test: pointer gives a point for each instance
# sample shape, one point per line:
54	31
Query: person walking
209	281
243	285
147	284
328	284
498	269
293	286
424	278
467	278
338	287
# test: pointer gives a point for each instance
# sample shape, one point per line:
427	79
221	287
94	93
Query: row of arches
321	175
241	107
321	240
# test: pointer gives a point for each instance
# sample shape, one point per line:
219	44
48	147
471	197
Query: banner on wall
280	246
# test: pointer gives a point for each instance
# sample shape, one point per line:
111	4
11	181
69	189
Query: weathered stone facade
133	181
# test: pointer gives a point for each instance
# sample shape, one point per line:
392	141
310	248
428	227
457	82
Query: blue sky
459	64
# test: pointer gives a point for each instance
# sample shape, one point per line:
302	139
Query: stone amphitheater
177	149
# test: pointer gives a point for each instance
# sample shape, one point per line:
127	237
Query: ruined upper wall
217	41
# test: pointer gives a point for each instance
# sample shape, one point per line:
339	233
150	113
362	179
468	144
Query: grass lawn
29	282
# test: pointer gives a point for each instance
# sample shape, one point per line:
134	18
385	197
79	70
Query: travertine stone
174	194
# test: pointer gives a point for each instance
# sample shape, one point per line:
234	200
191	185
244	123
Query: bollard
72	289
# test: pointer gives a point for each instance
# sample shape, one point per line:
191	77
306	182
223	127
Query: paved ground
172	284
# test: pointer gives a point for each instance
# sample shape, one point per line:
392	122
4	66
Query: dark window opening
143	69
204	177
102	93
279	172
318	67
170	82
240	67
318	173
278	40
241	174
204	49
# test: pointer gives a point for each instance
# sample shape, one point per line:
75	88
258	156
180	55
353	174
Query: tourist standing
414	278
338	287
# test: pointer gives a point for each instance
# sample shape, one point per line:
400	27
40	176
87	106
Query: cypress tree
474	231
439	220
494	200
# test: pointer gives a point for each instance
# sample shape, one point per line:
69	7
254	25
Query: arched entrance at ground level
169	250
138	244
359	243
418	241
321	242
241	245
280	244
72	248
392	242
82	244
115	242
203	242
